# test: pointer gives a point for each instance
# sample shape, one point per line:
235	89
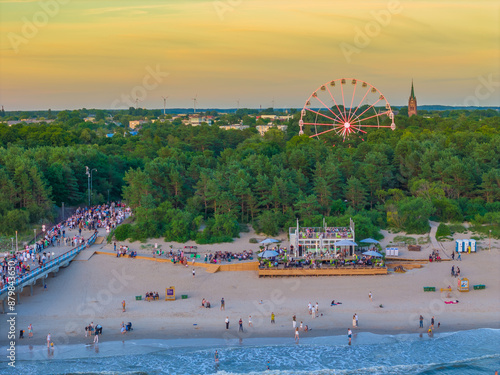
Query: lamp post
12	240
34	232
490	239
88	181
17	246
91	193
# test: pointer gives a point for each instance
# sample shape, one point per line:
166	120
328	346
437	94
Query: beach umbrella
267	241
345	243
372	253
369	240
268	254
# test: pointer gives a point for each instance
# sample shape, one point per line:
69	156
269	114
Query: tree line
204	183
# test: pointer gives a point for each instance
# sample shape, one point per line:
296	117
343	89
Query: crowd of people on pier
38	254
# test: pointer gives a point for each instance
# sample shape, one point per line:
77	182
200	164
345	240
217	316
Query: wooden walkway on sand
344	271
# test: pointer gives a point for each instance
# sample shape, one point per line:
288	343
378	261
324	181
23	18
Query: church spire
412	102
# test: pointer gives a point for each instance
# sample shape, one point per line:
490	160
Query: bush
110	236
457	228
443	230
122	232
253	240
406	239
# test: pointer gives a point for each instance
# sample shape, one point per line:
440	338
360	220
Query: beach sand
92	291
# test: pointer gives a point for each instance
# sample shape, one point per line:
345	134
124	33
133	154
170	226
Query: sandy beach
92	291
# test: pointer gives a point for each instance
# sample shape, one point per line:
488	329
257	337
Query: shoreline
233	334
239	340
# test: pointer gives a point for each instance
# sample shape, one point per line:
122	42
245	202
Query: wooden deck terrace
341	271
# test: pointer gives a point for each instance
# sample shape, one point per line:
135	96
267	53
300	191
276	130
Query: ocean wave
369	354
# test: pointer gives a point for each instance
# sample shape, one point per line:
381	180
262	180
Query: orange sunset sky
66	54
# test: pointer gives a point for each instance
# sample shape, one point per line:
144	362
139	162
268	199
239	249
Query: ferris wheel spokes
324	105
321	114
361	101
344	119
355	83
357	117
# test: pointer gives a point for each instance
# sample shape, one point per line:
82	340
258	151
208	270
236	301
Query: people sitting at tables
152	296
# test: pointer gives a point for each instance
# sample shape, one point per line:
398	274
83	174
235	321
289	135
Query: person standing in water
349	335
216	356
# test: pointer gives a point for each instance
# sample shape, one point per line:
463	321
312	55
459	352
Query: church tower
412	103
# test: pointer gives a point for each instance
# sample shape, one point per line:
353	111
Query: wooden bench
445	289
480	286
429	288
138	298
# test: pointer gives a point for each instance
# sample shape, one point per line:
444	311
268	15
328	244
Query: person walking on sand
222	304
432	322
96	337
123	305
194	273
349	335
421	321
227	322
459	257
313	312
250	321
294	321
370	296
356	318
48	340
353	321
272	318
241	325
30	331
301	326
453	255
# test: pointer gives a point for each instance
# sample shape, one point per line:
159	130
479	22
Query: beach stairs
85	255
212	268
99	240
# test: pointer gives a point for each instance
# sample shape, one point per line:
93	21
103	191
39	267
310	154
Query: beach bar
306	240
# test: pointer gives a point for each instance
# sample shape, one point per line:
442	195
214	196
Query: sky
70	54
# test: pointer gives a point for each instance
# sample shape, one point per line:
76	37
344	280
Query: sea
459	353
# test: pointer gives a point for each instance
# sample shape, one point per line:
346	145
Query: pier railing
49	266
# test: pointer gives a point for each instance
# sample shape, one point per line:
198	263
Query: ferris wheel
345	107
